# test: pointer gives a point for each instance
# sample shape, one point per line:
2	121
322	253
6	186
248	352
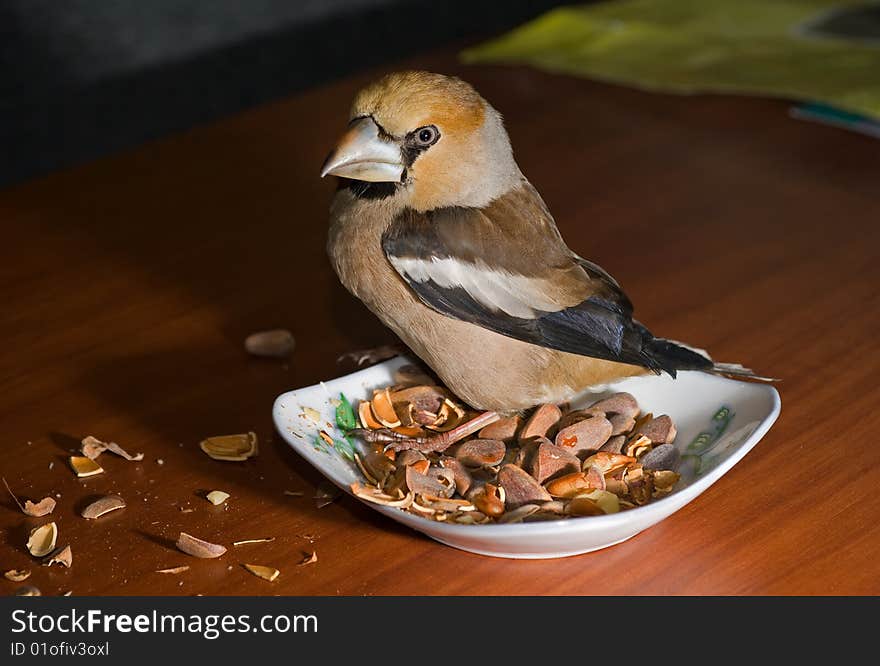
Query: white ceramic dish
719	421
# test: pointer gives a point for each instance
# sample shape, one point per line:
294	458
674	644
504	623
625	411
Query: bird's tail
672	355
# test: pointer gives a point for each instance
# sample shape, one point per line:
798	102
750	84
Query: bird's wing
506	268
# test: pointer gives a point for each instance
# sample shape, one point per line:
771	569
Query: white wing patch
515	295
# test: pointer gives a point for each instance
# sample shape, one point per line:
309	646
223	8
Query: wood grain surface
128	285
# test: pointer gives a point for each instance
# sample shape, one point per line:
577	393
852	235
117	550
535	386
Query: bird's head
431	139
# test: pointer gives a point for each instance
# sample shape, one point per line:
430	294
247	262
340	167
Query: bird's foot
434	444
372	356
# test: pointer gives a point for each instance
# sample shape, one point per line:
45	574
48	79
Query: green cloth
756	47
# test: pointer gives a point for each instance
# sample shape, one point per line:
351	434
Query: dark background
83	78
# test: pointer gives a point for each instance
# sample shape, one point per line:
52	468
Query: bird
434	227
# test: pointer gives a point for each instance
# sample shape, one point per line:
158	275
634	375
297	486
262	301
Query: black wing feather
601	326
588	329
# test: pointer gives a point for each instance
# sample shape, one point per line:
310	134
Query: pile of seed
553	463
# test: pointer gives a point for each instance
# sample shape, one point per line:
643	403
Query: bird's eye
426	136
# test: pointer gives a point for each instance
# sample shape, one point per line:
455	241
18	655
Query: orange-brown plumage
438	232
405	100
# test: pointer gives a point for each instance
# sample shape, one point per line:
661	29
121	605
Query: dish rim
681	497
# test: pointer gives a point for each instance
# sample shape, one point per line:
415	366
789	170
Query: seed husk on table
309	559
230	447
17	575
42	508
85	467
41	540
62	556
274	343
217	497
262	571
244	542
92	447
198	547
113	447
174	570
103	505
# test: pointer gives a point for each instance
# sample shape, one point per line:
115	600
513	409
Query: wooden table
128	285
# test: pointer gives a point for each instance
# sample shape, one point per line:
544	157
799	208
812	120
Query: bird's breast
485	369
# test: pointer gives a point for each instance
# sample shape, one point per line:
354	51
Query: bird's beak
362	154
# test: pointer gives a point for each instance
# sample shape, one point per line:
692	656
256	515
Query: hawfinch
435	228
